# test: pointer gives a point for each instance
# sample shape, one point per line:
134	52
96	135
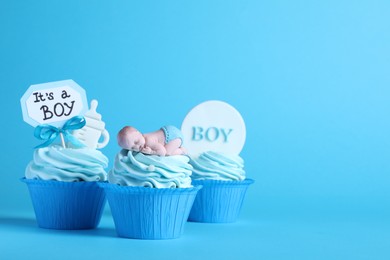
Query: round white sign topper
213	126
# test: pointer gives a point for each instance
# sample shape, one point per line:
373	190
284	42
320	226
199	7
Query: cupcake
62	178
224	187
214	133
149	188
63	189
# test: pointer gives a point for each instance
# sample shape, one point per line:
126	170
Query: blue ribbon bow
49	133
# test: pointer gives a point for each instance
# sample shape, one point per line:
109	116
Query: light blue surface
311	80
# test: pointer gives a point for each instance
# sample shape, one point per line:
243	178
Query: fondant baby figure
164	142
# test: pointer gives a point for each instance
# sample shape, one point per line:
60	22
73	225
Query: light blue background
310	78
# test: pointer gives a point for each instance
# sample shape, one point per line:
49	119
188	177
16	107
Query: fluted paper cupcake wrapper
219	201
149	213
66	205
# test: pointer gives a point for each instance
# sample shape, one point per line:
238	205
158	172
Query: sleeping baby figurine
164	142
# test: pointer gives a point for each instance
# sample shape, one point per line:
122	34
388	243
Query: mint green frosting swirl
137	169
218	166
67	164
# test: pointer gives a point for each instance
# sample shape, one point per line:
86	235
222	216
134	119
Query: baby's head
131	139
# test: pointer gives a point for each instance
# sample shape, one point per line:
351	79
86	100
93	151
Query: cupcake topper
93	130
214	126
54	108
166	141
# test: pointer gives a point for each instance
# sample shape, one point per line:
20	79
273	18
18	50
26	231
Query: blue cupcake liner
66	205
149	213
219	201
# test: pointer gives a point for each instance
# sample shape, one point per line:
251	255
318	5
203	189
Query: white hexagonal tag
53	103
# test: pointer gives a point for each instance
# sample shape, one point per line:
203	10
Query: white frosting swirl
67	164
138	169
218	166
